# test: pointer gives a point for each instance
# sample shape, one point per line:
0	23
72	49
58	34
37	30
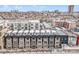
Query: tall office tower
70	9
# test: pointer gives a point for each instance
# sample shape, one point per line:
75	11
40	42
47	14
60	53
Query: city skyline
63	8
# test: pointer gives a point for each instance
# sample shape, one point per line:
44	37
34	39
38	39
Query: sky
36	7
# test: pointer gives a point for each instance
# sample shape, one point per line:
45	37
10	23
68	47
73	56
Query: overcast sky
36	7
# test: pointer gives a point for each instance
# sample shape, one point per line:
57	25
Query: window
22	27
27	42
45	42
33	38
31	27
27	38
39	42
25	26
36	25
19	26
33	47
33	42
56	42
39	38
51	42
31	24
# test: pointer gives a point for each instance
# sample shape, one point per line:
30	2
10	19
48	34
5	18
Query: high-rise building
70	9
